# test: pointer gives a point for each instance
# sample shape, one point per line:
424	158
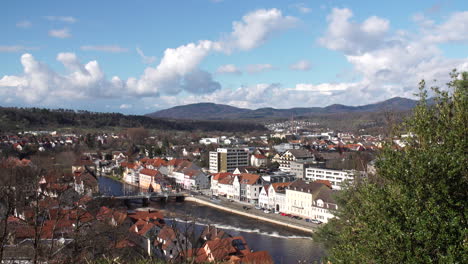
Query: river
284	245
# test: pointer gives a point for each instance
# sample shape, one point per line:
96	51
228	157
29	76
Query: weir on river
284	244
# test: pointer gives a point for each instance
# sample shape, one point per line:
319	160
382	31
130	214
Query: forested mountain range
211	111
17	119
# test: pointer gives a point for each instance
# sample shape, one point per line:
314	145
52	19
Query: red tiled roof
260	156
326	182
258	257
248	178
146	215
149	172
221	175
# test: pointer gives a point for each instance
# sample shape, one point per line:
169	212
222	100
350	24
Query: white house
277	196
311	200
263	198
258	160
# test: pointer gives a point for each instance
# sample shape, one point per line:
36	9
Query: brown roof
305	186
260	156
279	186
149	172
146	215
226	180
301	153
142	227
221	175
259	257
248	178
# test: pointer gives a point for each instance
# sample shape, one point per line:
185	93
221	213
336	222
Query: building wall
336	177
228	159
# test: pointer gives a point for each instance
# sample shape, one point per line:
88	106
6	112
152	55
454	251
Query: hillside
18	119
210	111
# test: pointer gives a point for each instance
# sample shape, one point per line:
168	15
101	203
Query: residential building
311	200
148	180
215	178
277	196
258	160
263	198
336	177
250	187
298	167
285	159
228	159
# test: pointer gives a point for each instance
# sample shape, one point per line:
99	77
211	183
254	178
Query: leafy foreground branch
415	209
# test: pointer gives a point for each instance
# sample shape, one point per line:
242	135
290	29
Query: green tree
415	209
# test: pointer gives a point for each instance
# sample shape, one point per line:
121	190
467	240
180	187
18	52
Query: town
290	178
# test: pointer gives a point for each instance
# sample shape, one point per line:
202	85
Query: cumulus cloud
24	24
302	65
66	19
256	68
145	59
392	63
16	48
104	48
60	33
256	28
455	29
228	69
39	83
351	37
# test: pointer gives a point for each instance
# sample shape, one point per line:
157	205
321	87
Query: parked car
258	207
315	221
277	212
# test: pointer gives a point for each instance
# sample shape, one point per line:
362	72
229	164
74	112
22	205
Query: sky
137	57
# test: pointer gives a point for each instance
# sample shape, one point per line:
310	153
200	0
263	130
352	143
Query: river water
284	245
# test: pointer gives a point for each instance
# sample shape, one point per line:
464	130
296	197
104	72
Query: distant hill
200	111
211	111
20	119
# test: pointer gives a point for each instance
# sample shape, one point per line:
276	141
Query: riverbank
308	229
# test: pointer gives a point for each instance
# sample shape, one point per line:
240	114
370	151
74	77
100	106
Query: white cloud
455	29
301	7
126	106
16	48
60	33
228	68
177	71
302	65
144	58
392	63
351	37
24	24
256	68
104	48
256	28
41	84
66	19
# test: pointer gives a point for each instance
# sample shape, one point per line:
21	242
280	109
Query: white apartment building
311	200
335	177
228	159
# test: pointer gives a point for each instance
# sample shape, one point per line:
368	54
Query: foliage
17	119
414	210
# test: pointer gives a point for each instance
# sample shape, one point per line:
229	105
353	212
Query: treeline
16	119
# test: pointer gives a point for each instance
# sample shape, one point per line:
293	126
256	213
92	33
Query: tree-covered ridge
14	119
415	209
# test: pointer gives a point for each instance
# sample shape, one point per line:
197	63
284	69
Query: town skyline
140	59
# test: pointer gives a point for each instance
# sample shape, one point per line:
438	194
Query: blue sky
141	56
